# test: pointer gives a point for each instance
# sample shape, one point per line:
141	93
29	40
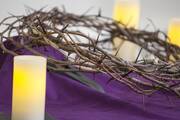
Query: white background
159	11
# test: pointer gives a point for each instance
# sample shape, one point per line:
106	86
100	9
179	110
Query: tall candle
29	83
174	31
127	12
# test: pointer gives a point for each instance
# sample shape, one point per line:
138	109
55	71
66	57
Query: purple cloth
67	99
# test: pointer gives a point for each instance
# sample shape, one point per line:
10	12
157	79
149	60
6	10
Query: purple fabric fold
67	99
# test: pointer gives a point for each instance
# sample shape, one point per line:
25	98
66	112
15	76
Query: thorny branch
62	31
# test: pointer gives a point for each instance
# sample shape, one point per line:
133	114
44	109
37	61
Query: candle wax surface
29	82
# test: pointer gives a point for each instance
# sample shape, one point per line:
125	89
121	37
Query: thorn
64	28
89	48
96	42
138	55
40	23
69	53
119	47
64	8
99	12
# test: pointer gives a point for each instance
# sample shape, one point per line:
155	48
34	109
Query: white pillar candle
29	85
127	12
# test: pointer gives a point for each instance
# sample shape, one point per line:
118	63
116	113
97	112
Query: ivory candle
127	12
29	83
174	31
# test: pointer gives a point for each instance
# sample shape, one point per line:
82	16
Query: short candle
29	86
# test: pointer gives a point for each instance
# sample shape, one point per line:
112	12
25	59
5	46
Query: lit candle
29	83
174	31
127	12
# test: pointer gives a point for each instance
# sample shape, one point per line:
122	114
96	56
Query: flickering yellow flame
29	83
174	31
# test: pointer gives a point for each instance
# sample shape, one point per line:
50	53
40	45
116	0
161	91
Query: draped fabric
67	99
